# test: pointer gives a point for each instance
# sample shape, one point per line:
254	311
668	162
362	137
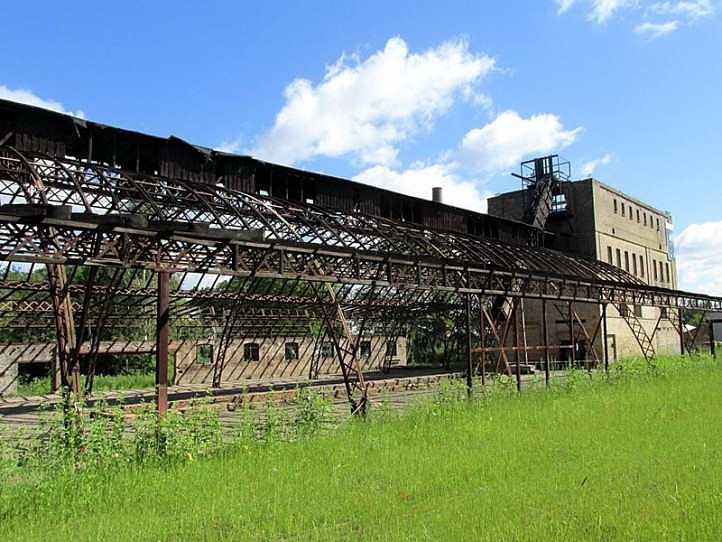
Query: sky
408	95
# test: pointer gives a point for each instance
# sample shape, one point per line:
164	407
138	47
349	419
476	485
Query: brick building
591	219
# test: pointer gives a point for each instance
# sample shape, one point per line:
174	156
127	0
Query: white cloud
602	10
366	108
507	139
694	9
419	179
699	258
656	30
588	168
564	5
27	97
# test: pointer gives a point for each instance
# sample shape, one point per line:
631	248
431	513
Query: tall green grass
41	385
636	456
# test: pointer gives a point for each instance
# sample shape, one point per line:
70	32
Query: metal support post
681	331
712	345
161	345
604	338
482	338
573	340
516	352
545	332
469	362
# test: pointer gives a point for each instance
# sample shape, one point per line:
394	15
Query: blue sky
408	94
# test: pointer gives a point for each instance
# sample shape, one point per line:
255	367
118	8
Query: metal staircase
541	180
646	343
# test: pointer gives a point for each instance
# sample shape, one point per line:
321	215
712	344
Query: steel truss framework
239	261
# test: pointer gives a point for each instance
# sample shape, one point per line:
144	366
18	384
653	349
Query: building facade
594	220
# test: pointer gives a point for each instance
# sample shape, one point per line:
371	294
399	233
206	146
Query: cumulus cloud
602	10
419	179
656	30
699	258
506	140
564	5
364	108
28	97
695	9
588	168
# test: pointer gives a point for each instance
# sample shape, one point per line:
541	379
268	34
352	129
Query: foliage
635	454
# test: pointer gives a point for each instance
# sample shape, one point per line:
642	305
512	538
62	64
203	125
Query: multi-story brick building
592	219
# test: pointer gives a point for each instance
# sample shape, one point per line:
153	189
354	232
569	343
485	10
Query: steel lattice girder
300	240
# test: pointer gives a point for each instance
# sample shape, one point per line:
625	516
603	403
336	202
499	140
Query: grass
638	457
41	386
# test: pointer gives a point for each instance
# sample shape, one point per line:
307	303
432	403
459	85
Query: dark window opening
615	207
365	349
204	354
391	348
609	255
638	311
327	349
626	261
291	351
251	352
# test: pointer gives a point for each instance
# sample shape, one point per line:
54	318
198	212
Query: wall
272	362
8	374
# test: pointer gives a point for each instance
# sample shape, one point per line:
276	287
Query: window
619	258
623	213
654	266
630	213
638	216
365	349
609	255
667	266
291	351
615	207
623	310
626	261
658	224
645	219
641	265
638	311
634	263
663	312
391	348
204	354
327	350
250	352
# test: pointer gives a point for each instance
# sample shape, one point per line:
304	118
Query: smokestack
437	194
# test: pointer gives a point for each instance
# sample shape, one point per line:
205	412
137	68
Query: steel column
606	343
469	361
681	331
482	340
572	338
516	351
712	345
161	345
545	332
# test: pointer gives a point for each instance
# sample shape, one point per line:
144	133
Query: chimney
437	194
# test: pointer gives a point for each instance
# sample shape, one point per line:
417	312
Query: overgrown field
637	456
